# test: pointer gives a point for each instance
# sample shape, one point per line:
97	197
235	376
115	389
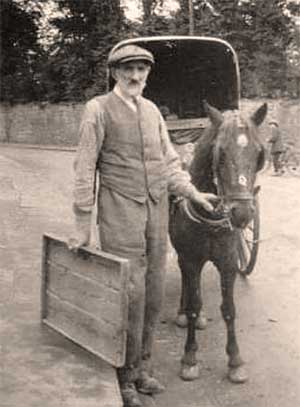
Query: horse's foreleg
237	372
181	318
191	277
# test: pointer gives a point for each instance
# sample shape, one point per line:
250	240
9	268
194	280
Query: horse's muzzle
241	213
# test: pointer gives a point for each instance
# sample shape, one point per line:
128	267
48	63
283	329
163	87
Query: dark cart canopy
188	70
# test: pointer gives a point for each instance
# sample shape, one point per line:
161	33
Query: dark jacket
276	141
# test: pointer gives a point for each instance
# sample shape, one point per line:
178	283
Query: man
277	146
124	136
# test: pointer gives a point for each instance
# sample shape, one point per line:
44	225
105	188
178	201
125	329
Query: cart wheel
248	244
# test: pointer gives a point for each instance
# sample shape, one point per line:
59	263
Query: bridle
245	196
223	209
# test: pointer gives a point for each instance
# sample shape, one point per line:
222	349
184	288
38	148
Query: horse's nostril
241	214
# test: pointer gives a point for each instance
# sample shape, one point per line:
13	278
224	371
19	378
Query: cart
188	70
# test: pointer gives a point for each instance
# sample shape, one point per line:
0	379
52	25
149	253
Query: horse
226	160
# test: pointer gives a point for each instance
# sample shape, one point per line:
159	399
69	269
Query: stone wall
57	124
50	124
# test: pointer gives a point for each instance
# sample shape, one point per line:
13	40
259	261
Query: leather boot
147	384
130	395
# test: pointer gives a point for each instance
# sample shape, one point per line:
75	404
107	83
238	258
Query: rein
223	223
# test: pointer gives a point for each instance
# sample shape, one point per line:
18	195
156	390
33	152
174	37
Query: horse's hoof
182	322
237	374
189	373
201	321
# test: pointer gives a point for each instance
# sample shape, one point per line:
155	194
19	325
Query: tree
73	68
293	51
77	64
149	7
258	30
20	52
154	21
269	28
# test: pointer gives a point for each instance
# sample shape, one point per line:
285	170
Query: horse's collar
223	223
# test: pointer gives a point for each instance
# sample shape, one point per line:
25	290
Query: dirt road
268	318
268	303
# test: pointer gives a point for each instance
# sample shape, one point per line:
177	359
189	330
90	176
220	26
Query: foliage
293	50
149	7
77	65
20	53
73	67
258	30
268	35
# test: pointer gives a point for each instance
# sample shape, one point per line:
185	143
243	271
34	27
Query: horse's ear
259	116
213	113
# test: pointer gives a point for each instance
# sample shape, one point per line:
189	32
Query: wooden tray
84	297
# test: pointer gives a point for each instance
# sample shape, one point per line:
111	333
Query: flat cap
129	53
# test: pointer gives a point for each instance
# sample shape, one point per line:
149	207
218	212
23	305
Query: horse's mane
201	166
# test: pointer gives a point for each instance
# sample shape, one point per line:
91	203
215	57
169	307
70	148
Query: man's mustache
135	82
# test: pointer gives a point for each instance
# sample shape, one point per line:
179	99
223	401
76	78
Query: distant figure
277	146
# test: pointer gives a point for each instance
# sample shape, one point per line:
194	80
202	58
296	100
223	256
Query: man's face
131	77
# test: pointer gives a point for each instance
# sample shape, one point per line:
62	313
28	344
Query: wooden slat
84	297
84	329
84	292
77	263
184	124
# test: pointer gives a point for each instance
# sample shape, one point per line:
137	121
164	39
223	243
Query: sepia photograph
149	203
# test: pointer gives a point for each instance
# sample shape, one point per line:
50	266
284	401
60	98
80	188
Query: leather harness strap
223	223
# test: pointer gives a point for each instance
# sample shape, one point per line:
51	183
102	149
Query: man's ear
113	72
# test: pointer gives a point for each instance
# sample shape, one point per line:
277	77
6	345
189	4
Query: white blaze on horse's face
243	180
242	140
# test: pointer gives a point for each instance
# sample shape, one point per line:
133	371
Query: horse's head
238	155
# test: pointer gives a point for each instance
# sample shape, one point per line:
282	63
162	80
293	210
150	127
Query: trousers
276	161
138	232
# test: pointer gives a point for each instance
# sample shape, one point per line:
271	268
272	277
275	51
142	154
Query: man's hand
82	239
83	231
204	199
